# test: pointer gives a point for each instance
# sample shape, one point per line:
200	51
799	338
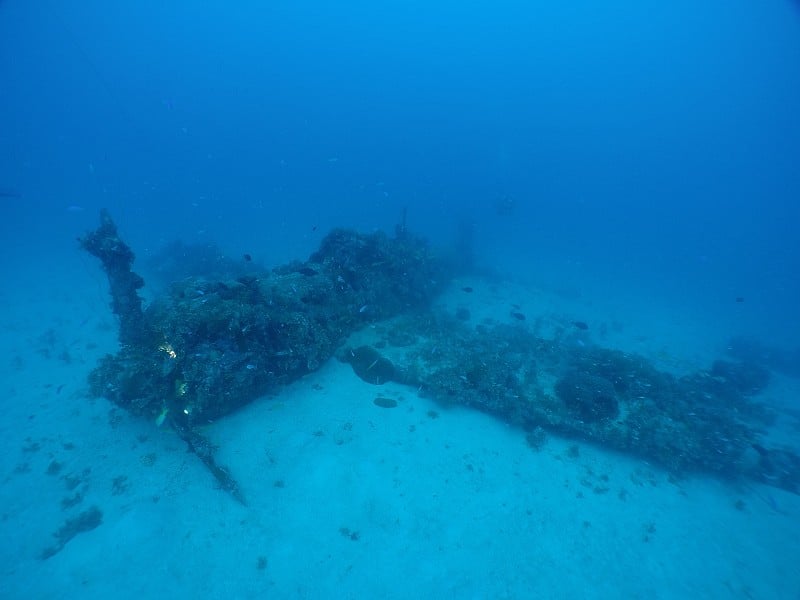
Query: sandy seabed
346	499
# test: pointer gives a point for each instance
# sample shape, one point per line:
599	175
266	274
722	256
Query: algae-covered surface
209	347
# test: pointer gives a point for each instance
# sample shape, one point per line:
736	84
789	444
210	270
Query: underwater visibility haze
400	299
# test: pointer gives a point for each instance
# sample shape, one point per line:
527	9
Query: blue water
615	147
661	136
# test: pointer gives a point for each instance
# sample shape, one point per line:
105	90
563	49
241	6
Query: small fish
307	271
739	299
247	257
364	308
518	315
59	388
161	416
250	366
580	325
466	289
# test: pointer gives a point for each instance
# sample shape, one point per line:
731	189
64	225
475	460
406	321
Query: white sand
350	500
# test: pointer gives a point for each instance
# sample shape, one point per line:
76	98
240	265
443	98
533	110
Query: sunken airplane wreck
209	346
